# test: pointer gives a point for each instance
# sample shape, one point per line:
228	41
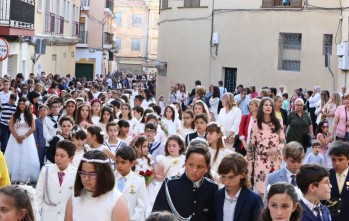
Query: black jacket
187	199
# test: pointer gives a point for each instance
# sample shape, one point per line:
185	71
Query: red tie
60	177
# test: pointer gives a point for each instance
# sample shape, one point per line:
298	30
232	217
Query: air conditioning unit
215	38
343	62
161	65
342	49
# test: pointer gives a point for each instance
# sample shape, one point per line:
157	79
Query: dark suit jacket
190	137
247	208
340	211
188	200
308	215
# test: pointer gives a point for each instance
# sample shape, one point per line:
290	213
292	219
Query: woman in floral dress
267	141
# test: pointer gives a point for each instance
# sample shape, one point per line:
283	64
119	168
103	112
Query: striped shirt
6	113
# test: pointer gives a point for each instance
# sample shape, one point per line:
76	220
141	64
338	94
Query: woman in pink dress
267	141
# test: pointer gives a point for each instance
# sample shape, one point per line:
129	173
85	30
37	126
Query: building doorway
84	70
230	75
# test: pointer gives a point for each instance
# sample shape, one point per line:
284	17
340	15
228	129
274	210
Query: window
67	12
135	44
164	4
327	44
282	3
118	19
290	51
191	3
136	20
118	43
54	57
64	7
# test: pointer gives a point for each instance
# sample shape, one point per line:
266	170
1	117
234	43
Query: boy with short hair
39	133
8	108
314	182
235	201
112	142
130	184
51	122
56	183
339	202
155	147
315	156
293	154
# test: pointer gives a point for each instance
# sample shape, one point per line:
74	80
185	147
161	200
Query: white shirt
229	206
310	205
345	172
313	100
4	97
230	121
289	174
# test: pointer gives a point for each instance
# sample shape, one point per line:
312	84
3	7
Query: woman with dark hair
148	98
197	191
34	99
21	154
95	197
283	204
53	89
215	101
267	141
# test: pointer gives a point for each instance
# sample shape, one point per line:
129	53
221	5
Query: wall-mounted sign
4	49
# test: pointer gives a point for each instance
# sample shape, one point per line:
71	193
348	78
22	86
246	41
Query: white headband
95	160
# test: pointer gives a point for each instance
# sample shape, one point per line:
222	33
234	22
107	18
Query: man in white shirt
222	89
242	101
5	94
313	100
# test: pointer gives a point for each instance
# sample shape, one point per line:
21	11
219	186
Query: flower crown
95	160
134	140
220	127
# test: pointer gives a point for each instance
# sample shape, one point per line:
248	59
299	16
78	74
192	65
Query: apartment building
136	34
57	30
95	50
261	43
16	29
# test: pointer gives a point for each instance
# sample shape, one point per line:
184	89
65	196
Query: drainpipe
147	40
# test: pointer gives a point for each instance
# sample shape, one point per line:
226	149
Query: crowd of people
107	149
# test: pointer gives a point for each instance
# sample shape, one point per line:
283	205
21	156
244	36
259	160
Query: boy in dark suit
235	201
314	182
339	202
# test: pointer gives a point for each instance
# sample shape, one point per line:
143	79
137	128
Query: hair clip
95	160
102	133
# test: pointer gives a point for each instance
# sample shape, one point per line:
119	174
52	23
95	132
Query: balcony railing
281	3
85	2
12	14
83	37
107	38
59	25
49	22
75	28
